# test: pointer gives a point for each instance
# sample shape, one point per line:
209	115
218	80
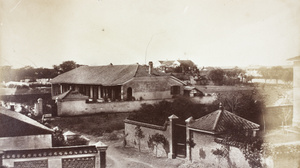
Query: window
175	90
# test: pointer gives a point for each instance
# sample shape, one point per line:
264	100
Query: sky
43	33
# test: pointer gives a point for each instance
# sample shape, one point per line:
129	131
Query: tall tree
217	76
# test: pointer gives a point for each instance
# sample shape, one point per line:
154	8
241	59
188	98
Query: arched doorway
129	93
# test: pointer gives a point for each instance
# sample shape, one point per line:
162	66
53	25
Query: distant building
90	89
177	66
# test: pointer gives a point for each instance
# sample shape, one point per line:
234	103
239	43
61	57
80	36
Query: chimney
150	67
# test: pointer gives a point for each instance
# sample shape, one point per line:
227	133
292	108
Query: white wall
207	143
26	142
80	107
132	140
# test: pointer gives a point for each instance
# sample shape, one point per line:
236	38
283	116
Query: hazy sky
41	33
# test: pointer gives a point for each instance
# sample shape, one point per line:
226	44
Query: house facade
26	143
110	88
197	140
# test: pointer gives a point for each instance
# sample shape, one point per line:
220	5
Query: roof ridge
217	119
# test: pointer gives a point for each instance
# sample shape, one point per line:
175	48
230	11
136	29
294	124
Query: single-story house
90	89
197	140
25	142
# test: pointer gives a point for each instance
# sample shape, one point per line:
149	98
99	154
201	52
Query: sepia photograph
149	84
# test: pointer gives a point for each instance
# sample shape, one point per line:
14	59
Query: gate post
188	138
172	136
101	147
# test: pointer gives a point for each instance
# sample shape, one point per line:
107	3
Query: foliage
31	73
139	135
65	66
202	153
251	147
58	138
182	107
217	76
157	139
244	104
277	73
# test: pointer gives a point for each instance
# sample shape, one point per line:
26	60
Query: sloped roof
16	124
71	95
294	59
164	80
110	75
166	63
218	121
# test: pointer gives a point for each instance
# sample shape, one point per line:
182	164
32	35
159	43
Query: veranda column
172	119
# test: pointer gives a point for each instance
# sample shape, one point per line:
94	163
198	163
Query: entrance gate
180	140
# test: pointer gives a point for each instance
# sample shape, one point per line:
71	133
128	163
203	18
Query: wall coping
285	105
147	125
49	152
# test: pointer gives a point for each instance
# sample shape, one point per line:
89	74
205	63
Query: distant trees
277	73
65	66
31	73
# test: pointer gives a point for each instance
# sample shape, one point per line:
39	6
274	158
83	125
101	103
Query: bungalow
197	140
90	89
25	142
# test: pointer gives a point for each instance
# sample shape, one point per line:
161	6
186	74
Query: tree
65	66
217	76
265	72
139	135
157	139
287	76
276	72
252	147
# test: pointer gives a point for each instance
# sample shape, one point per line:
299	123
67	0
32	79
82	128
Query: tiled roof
110	75
16	124
218	121
162	80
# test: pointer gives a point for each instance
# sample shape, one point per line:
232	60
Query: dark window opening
175	90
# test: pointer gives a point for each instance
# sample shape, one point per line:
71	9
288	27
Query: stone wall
148	130
26	142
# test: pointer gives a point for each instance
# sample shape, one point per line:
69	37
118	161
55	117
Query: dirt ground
123	157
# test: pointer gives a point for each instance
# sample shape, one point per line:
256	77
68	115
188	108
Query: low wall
80	107
26	142
148	130
63	157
